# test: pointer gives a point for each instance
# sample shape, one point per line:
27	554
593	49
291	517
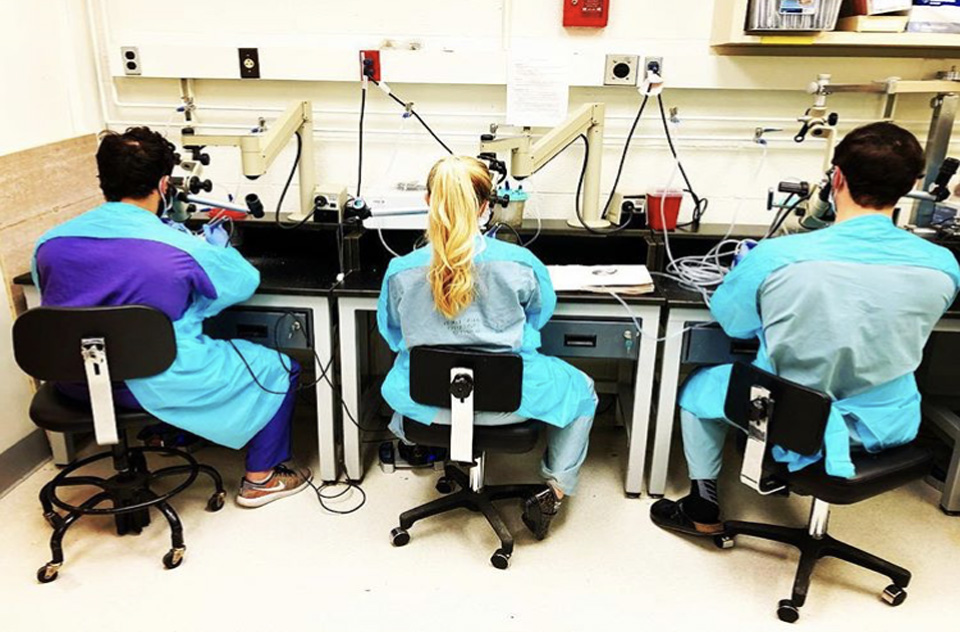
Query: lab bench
686	311
584	326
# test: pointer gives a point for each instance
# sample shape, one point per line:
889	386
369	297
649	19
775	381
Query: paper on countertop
538	93
411	221
577	277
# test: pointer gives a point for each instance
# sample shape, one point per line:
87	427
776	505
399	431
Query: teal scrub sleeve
735	304
388	316
543	302
235	279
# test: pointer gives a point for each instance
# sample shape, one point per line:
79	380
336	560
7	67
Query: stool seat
53	411
876	473
506	438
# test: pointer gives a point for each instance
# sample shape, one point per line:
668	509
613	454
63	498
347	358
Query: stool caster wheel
787	611
894	595
174	558
724	542
500	560
215	503
48	572
399	537
633	496
445	485
53	519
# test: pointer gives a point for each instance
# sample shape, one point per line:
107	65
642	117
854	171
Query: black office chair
467	381
100	346
775	411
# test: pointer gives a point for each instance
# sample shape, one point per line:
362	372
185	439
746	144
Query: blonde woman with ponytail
465	289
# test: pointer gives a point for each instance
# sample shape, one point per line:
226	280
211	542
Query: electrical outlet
653	64
131	60
621	70
370	64
249	63
624	206
636	204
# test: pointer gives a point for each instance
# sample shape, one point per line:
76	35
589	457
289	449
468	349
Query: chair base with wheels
876	473
473	494
130	491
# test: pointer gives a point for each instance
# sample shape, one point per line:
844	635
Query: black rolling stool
467	381
100	346
775	411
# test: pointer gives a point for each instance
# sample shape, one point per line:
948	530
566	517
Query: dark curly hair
881	163
132	163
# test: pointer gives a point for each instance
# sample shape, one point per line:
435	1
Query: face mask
484	220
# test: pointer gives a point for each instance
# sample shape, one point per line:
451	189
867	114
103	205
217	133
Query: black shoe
539	510
668	514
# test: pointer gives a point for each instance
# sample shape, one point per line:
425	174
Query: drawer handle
744	347
250	331
579	340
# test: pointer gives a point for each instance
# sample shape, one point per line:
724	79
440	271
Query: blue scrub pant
703	441
268	448
271	445
566	447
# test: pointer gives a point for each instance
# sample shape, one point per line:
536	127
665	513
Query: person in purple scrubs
233	393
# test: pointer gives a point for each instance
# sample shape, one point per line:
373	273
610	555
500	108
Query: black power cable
699	204
286	187
363	109
408	106
782	217
322	370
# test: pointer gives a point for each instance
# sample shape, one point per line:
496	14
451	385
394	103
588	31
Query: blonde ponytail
458	187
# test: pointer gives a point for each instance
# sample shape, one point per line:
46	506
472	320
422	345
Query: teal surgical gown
208	390
514	299
845	310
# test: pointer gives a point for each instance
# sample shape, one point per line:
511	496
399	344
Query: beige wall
39	188
46	172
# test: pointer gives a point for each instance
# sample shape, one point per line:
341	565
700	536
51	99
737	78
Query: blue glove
745	247
215	234
179	226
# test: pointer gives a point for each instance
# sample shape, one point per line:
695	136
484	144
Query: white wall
46	65
48	94
721	99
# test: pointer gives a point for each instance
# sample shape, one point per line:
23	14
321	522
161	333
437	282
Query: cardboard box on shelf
873	24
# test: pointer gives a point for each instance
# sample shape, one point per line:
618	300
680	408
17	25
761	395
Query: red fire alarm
586	13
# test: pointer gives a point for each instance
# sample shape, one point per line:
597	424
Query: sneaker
282	483
539	510
669	514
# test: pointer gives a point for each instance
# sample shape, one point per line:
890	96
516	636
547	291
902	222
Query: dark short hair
131	163
881	163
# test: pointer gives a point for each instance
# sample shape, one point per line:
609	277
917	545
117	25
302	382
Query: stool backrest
498	377
799	416
139	341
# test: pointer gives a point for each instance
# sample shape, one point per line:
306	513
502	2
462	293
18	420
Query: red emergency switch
586	13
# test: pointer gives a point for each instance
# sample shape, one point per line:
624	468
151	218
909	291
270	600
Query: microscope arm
528	157
259	150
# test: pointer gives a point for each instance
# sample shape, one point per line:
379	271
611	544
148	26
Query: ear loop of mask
832	196
163	199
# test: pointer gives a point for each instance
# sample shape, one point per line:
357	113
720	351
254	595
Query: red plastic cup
663	209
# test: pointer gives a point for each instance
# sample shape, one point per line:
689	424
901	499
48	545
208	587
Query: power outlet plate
653	64
621	70
249	62
131	61
370	58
